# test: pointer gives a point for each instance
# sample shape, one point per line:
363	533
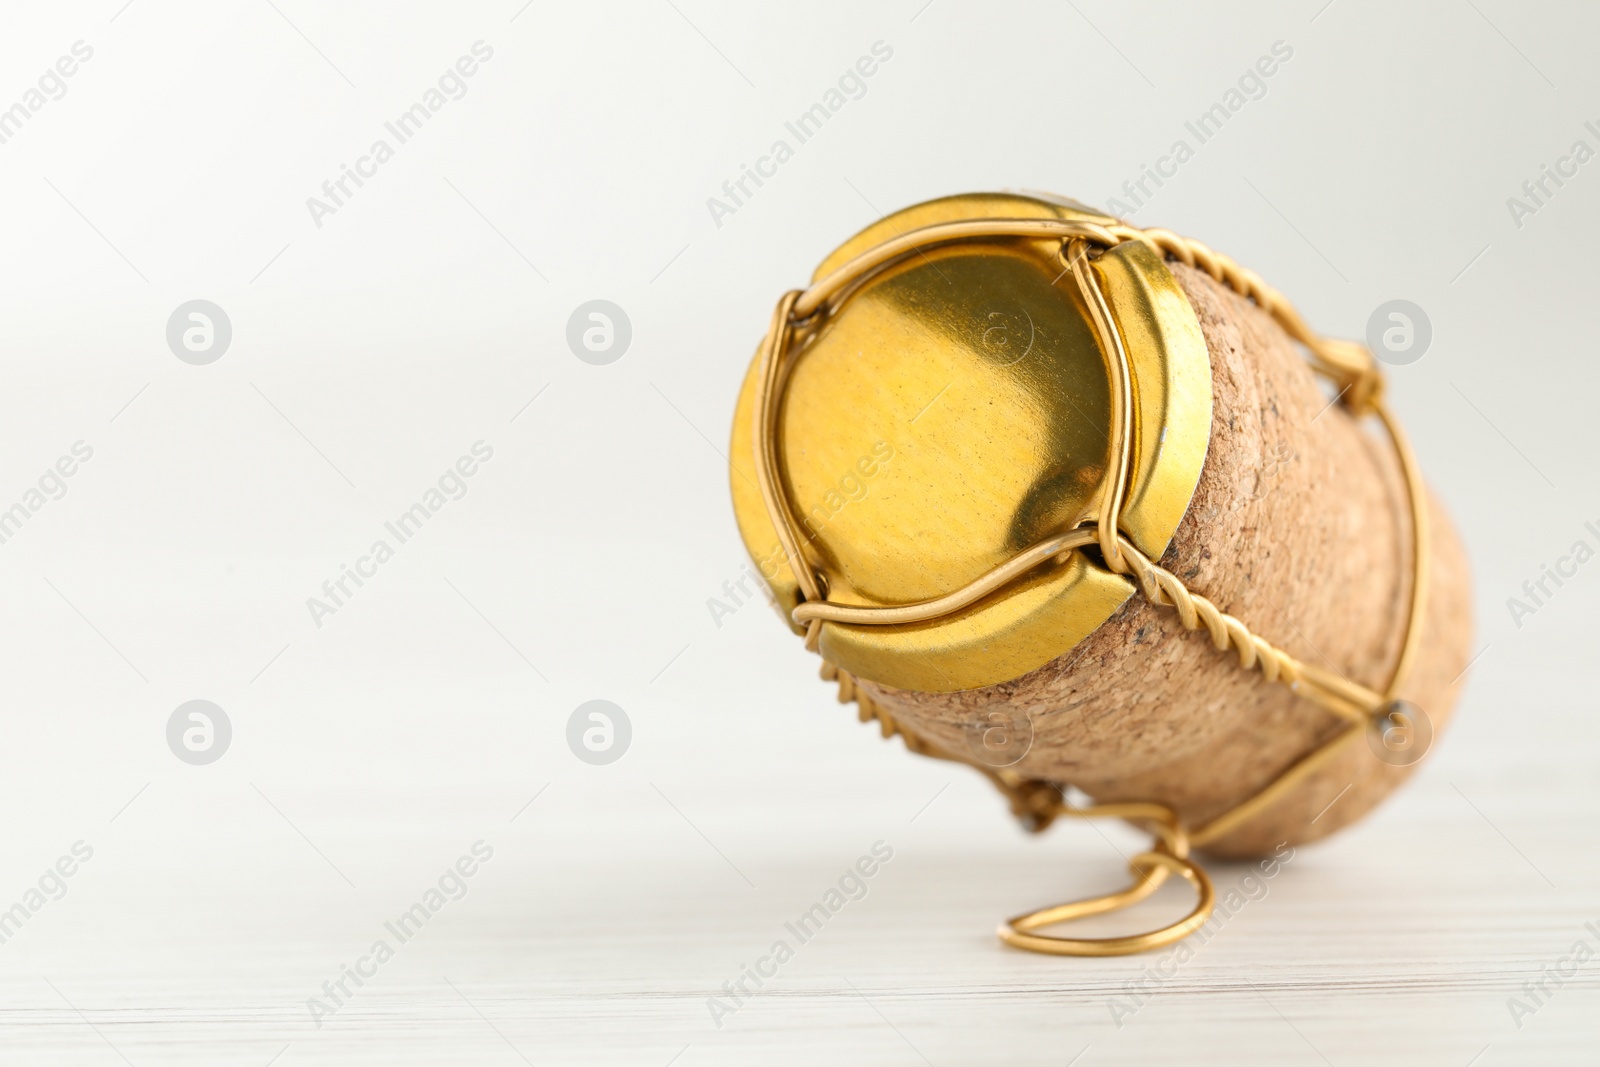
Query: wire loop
1150	869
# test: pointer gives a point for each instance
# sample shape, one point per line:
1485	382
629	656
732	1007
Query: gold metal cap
953	411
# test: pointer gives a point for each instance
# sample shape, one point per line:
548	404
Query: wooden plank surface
211	910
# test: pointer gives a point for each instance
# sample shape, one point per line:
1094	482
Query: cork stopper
1244	481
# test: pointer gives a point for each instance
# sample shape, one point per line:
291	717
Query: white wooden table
373	347
618	902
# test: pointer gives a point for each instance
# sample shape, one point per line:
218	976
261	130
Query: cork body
1299	527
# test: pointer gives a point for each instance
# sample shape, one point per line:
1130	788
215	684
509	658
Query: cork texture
1299	527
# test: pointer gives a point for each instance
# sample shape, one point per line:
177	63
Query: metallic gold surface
953	411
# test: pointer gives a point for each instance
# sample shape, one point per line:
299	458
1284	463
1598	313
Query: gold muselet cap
950	407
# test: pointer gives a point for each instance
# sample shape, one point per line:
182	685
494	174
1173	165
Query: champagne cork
1218	454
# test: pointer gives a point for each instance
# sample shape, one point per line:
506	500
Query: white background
369	353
